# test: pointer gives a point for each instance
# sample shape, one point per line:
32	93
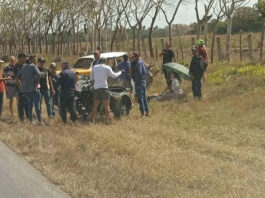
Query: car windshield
84	63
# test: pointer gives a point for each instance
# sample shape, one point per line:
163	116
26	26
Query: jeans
47	97
21	106
196	88
142	101
33	98
54	100
1	101
167	77
67	102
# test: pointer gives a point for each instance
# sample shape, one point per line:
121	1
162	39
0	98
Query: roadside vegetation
209	148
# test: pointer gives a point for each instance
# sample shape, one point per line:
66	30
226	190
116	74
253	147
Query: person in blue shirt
139	76
125	67
67	80
97	58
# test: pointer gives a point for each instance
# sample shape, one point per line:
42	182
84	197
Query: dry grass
209	148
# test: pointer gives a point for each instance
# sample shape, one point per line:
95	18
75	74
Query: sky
186	15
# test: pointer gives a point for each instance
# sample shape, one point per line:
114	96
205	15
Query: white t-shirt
100	74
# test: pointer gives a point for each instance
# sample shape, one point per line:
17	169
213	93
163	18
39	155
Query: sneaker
41	123
31	123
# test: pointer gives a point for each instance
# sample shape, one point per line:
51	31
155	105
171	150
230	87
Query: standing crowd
28	81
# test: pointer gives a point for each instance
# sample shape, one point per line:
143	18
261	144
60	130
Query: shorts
101	94
11	92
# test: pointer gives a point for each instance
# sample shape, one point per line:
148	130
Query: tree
228	7
170	20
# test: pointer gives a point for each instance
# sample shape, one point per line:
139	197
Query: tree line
69	27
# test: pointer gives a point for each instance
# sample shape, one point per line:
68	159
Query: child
196	72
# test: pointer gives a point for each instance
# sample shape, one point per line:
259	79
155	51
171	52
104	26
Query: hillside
209	148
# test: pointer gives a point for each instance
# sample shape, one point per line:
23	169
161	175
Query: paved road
20	180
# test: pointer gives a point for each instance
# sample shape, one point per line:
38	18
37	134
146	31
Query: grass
209	148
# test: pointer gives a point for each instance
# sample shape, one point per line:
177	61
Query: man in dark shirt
54	97
22	59
196	72
168	56
125	67
67	80
97	58
10	85
46	86
139	77
28	81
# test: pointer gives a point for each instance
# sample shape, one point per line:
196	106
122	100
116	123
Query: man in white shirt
99	75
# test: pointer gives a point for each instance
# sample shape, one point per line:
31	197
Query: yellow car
83	65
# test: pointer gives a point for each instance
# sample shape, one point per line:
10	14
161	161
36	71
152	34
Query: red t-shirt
203	52
2	86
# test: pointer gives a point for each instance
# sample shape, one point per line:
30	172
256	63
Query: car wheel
121	109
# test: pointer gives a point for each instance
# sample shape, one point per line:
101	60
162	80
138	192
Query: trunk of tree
262	43
240	46
213	40
206	33
139	38
219	49
40	44
199	31
46	44
228	39
113	38
180	43
99	38
150	40
53	43
170	33
250	47
134	32
74	37
29	45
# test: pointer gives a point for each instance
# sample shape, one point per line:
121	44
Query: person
22	59
97	58
139	77
99	75
66	81
55	96
28	81
168	56
202	51
175	91
46	86
196	72
99	49
125	68
2	89
10	85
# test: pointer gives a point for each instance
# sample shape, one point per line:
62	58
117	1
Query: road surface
18	179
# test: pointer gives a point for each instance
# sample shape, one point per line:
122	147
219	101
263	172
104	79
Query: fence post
250	48
162	43
240	50
192	41
219	49
156	53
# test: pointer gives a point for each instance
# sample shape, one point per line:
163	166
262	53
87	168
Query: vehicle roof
106	55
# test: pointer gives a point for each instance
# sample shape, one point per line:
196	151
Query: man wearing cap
46	86
168	56
28	81
125	67
196	72
67	80
99	75
22	59
11	85
203	52
139	76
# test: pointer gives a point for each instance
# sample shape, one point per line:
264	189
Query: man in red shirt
203	52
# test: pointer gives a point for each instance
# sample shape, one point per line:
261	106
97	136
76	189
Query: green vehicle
120	99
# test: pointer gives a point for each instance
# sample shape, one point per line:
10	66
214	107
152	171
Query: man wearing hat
54	97
203	52
139	76
196	72
22	59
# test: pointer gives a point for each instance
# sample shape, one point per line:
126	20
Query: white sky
186	15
